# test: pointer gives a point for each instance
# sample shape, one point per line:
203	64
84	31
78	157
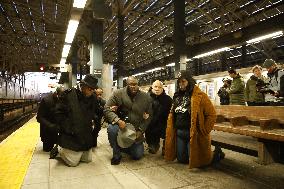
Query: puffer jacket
251	93
236	91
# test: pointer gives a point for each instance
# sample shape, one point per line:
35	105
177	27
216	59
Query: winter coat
224	96
161	106
251	93
276	83
46	118
133	109
203	117
75	114
236	91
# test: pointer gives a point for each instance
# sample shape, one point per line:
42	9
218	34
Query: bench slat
254	131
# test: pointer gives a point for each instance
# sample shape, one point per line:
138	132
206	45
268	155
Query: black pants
48	138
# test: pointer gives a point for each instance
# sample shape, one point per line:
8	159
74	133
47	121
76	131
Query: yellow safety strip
16	153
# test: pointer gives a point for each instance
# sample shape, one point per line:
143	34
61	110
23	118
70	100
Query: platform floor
235	171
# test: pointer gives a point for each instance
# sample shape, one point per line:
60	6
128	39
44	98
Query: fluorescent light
155	69
65	51
171	64
271	35
71	30
62	61
142	73
79	3
212	52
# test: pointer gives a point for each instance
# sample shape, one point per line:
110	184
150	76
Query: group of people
258	91
183	123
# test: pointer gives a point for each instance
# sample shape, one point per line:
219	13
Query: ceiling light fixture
79	3
261	38
71	30
212	52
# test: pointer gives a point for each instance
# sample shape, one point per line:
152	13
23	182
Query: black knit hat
90	80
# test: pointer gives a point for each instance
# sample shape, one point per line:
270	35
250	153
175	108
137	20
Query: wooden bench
264	123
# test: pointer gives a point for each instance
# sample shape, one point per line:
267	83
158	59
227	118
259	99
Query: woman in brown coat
189	125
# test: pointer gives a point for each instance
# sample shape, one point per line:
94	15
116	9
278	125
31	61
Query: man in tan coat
189	125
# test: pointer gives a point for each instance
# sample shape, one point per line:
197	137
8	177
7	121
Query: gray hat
127	136
90	80
268	63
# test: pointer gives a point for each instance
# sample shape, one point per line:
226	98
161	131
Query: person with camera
223	92
275	92
253	94
127	106
236	90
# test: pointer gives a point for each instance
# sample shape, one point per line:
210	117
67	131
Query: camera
262	87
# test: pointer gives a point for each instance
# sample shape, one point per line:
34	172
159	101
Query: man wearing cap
76	113
275	81
127	106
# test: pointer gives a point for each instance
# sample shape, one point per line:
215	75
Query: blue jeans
183	145
136	150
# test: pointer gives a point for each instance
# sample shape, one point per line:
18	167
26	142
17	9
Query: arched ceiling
148	40
32	33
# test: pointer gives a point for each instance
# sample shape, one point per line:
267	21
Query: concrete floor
236	171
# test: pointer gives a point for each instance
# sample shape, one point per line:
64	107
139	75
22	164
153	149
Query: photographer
223	93
275	82
254	86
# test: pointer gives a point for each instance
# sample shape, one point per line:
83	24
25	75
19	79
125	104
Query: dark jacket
224	96
75	114
46	118
161	106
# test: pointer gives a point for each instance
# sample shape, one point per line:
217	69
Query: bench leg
268	151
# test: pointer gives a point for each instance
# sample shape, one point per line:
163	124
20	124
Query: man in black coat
161	105
77	112
101	102
46	118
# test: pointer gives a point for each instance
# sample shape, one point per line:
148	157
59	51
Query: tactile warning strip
16	153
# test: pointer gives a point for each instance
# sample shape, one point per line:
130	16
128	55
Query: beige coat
203	117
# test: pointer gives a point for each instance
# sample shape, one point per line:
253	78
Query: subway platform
24	165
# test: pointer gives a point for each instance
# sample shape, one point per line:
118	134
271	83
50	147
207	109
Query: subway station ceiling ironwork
32	32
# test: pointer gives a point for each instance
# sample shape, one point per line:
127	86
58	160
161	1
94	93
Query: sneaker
115	161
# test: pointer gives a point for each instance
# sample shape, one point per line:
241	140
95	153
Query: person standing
223	92
236	90
275	82
161	105
252	94
128	105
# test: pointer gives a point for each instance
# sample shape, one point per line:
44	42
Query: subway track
15	124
